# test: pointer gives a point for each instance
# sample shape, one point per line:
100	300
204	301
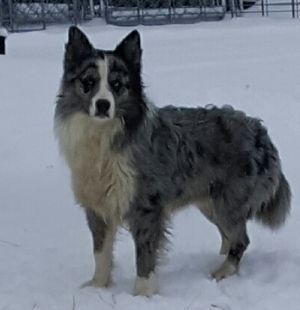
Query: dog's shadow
187	270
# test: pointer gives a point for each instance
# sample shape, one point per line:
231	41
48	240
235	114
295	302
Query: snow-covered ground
45	246
3	32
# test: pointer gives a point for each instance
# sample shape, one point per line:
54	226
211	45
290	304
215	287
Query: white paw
146	286
225	270
97	282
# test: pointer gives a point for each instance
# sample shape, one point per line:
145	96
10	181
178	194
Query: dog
132	162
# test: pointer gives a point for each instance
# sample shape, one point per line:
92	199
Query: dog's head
102	84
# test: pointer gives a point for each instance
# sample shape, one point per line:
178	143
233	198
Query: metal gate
158	12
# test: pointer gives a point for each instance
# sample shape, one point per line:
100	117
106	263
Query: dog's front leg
148	233
103	237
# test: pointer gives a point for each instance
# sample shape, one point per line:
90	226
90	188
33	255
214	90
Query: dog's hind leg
225	246
103	236
238	242
147	227
206	207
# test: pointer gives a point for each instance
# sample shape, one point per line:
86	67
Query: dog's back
216	152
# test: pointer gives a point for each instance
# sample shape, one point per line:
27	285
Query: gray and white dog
132	161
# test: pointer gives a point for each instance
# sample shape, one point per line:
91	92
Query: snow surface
3	32
45	246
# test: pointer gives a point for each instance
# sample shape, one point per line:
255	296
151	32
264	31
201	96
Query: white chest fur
102	178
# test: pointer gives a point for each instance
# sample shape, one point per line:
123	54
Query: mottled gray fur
191	155
218	159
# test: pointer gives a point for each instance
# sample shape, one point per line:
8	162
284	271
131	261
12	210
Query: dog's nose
102	107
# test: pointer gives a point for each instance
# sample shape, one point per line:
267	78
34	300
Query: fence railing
20	15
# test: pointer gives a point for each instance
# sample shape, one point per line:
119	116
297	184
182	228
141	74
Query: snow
3	32
45	246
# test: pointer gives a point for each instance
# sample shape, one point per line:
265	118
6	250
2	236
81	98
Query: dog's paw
225	270
146	286
97	282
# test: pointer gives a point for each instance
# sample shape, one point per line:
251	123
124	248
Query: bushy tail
275	212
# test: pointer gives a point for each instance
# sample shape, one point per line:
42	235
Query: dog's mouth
102	114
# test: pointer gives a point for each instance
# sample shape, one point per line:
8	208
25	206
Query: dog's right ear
78	48
130	49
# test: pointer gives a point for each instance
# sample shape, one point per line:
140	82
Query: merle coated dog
132	161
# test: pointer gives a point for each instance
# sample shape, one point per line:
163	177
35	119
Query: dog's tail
275	212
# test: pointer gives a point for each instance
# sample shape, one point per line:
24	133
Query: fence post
232	8
43	14
1	13
11	12
239	7
75	12
262	8
293	9
236	9
92	9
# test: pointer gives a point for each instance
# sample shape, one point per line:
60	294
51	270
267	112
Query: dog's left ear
130	49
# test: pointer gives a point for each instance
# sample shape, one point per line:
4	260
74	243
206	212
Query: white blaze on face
104	92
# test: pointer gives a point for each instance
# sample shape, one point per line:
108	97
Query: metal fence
280	8
22	15
19	15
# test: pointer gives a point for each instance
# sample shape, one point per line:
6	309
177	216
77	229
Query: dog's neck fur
102	178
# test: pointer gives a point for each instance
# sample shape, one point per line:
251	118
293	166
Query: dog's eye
116	85
88	84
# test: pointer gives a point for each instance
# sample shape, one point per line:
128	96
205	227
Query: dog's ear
78	47
130	49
